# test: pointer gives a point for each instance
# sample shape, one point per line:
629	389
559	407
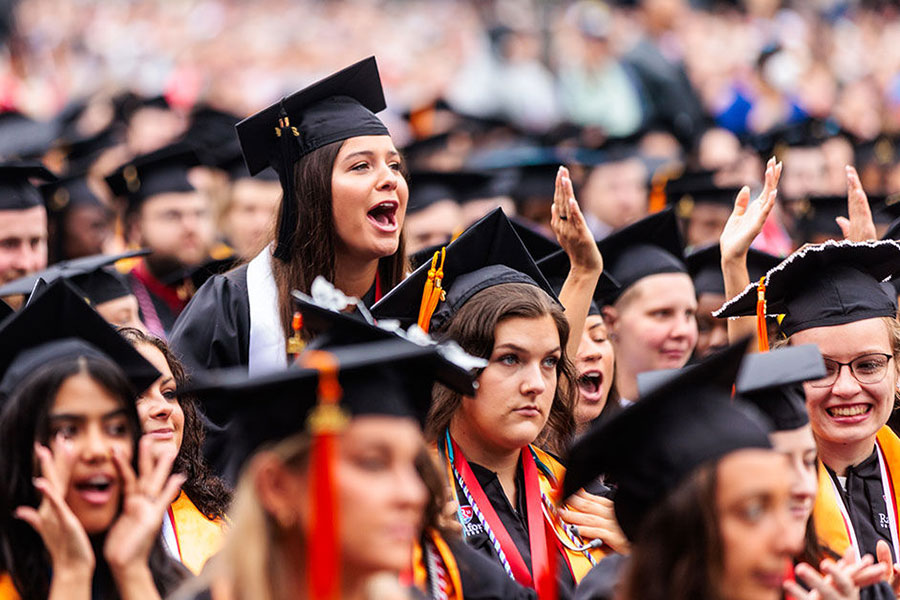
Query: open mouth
589	383
849	411
96	489
384	215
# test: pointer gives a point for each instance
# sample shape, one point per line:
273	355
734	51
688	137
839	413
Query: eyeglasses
866	369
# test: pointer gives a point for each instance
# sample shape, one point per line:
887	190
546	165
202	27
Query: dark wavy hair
209	493
473	328
313	250
24	421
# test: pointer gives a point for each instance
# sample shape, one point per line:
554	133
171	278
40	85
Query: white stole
267	350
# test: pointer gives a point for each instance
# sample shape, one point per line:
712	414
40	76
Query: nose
784	545
684	326
160	408
388	178
533	382
410	490
846	385
94	445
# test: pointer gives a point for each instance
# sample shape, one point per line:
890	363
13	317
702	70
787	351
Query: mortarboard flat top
67	269
698	188
650	447
388	377
705	267
825	284
539	246
66	192
773	381
16	190
817	214
650	246
59	313
23	137
490	244
159	172
555	268
335	329
341	106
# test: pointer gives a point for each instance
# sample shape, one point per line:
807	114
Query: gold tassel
433	292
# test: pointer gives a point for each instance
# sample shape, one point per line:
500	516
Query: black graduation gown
514	519
483	578
602	581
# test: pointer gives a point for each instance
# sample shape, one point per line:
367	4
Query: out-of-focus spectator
615	195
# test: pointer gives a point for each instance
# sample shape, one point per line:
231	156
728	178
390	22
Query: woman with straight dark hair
341	217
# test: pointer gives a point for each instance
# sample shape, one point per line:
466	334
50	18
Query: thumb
844	224
883	552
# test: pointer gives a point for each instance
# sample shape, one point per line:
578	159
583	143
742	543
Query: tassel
762	332
290	214
657	199
295	343
433	292
325	423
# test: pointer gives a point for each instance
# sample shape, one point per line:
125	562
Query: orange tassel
433	292
295	344
762	332
325	423
657	199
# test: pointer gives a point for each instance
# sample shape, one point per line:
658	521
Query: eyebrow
79	417
596	325
368	154
512	346
166	380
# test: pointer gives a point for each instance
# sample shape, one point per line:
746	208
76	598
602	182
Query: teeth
848	411
98	480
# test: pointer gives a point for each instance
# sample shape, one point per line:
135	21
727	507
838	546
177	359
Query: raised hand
890	570
860	226
146	497
595	519
747	219
570	228
63	534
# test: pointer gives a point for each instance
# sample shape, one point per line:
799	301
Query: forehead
849	339
752	472
174	201
20	222
537	334
664	289
367	143
81	395
383	430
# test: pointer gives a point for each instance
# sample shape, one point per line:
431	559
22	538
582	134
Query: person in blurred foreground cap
651	318
104	288
705	267
167	214
80	224
79	516
353	179
333	486
832	295
496	442
689	463
23	219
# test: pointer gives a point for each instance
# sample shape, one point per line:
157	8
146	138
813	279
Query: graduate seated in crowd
79	222
84	494
168	215
23	219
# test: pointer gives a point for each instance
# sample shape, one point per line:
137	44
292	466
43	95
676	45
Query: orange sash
198	537
453	586
7	589
831	527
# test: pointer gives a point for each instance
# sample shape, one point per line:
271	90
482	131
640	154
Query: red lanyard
541	564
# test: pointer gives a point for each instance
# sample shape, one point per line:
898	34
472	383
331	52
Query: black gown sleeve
483	578
213	331
602	581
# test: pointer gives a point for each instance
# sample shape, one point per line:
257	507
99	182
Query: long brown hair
677	552
313	248
473	328
208	492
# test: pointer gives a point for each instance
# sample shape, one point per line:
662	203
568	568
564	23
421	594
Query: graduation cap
429	187
341	106
336	329
67	192
817	214
23	137
773	381
648	247
87	273
825	284
388	377
539	246
159	172
806	133
230	159
698	188
5	310
652	446
81	153
488	253
555	268
16	190
705	267
57	323
535	181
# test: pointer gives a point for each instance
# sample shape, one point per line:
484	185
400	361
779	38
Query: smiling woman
341	217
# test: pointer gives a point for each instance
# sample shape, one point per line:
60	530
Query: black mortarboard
230	159
81	272
773	381
336	329
651	447
59	314
539	246
798	134
429	187
698	188
555	268
159	172
705	267
341	106
488	253
825	284
648	247
82	152
388	377
818	214
535	181
67	192
5	310
23	137
16	190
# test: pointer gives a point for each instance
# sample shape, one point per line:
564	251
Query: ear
133	228
610	318
278	487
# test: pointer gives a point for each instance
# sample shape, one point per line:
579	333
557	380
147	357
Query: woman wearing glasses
830	296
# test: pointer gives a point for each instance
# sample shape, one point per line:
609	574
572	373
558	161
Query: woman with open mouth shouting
83	501
341	217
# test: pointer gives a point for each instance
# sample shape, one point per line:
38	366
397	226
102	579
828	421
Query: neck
292	579
354	276
626	383
501	461
838	457
162	268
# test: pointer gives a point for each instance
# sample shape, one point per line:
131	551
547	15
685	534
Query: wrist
585	272
133	575
734	257
72	576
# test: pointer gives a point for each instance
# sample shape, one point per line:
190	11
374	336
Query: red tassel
325	423
762	332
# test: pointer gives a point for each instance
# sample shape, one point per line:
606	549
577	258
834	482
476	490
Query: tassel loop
433	293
